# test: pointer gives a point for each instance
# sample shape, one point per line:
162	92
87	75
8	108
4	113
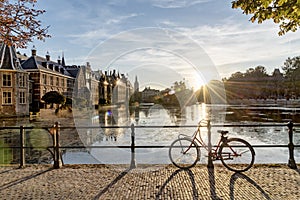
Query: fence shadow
212	184
236	176
21	180
8	170
192	178
122	174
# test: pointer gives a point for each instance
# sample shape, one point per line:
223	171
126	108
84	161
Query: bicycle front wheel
237	155
184	153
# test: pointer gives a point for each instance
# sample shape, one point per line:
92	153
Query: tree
54	97
256	73
19	23
286	13
291	69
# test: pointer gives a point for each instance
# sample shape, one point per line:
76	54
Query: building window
44	92
44	79
6	80
6	98
22	98
57	81
22	80
51	80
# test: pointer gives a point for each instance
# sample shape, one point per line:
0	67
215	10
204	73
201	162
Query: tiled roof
37	62
8	58
73	71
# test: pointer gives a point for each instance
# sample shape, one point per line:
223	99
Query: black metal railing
55	148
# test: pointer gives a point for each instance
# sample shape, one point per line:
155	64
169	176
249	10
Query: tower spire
63	60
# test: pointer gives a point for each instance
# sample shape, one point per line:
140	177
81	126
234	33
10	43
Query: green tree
54	97
256	73
19	23
291	70
286	13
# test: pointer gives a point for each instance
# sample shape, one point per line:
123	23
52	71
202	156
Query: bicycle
235	154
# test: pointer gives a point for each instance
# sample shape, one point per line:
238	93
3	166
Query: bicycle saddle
223	132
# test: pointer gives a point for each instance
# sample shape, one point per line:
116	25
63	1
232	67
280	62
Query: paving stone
148	182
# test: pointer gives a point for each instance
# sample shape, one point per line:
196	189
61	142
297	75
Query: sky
162	41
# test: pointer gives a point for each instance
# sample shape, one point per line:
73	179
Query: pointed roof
8	58
63	60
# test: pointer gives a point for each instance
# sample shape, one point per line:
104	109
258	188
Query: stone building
47	75
25	80
148	93
114	88
86	85
14	84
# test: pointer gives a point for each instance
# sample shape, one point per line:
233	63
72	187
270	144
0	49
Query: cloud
120	19
233	43
176	3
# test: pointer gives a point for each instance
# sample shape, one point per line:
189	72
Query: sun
196	81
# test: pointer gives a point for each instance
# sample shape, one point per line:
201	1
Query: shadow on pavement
21	180
236	176
5	171
212	184
112	183
191	176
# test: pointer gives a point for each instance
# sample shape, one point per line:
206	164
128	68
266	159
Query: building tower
136	85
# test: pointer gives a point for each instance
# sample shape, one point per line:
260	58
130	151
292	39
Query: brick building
14	84
25	80
46	76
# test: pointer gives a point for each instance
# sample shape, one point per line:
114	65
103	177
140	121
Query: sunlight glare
196	81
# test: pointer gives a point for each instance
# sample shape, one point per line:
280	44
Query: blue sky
162	41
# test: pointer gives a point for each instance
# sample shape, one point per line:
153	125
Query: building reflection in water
113	116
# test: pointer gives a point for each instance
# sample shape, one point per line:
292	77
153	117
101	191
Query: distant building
86	85
136	85
14	84
148	93
114	88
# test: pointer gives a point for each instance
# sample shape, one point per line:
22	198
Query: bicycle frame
200	143
228	150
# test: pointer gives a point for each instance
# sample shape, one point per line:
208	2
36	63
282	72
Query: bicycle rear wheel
237	155
184	153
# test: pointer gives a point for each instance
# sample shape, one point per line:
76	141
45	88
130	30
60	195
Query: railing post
22	145
132	163
57	159
209	161
291	163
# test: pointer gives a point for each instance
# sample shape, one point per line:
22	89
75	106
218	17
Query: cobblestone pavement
148	182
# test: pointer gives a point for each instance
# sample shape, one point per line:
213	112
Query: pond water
156	115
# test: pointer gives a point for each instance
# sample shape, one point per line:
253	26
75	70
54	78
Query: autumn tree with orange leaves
19	24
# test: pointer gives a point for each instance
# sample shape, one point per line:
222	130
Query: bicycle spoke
237	155
183	153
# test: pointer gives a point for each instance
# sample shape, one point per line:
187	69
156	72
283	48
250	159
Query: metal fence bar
138	147
291	163
56	137
132	163
22	145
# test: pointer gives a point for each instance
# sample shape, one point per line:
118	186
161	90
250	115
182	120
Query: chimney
33	51
58	60
47	56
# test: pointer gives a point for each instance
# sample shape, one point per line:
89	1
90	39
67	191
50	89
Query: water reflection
148	115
